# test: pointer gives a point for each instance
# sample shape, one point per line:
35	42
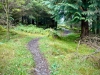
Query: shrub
2	30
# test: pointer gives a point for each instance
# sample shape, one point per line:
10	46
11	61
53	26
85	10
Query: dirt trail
40	62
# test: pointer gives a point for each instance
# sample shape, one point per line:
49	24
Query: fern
88	12
74	9
74	6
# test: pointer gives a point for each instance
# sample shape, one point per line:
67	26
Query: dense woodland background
56	19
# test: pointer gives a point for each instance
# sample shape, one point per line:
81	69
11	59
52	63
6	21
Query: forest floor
60	53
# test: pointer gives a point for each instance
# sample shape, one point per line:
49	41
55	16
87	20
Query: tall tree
76	11
6	9
9	6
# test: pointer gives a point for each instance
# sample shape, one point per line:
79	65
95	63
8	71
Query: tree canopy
84	11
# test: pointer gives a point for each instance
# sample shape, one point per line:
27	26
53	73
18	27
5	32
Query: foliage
59	51
31	29
1	29
75	9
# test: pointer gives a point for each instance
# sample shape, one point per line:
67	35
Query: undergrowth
61	55
30	29
59	51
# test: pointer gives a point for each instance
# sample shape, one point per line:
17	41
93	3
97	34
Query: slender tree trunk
8	31
5	4
22	20
7	16
93	27
84	28
37	21
98	29
71	26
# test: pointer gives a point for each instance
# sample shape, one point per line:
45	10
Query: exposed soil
65	32
41	67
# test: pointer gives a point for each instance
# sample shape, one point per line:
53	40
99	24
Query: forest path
41	67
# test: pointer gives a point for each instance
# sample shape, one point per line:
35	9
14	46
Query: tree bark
98	29
7	16
93	27
84	24
84	28
98	26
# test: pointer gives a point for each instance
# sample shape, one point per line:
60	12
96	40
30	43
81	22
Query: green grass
30	29
16	59
60	54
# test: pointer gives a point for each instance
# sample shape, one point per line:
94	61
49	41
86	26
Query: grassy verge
60	54
15	58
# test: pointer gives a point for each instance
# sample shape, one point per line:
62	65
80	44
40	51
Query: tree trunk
71	26
22	20
8	37
84	28
98	29
37	21
6	9
98	26
84	24
93	27
7	16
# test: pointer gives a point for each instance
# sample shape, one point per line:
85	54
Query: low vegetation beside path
65	59
15	59
61	52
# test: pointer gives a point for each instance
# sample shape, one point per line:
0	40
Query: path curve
41	67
